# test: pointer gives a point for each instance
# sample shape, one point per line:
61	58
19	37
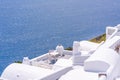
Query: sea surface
33	27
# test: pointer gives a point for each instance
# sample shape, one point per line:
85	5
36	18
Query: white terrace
86	61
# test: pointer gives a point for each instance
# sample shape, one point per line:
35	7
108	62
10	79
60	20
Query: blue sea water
32	27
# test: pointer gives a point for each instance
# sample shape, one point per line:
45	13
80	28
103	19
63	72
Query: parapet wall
57	74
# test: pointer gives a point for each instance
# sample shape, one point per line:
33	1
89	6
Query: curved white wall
24	72
101	60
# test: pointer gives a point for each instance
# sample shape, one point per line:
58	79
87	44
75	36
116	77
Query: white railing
67	52
44	56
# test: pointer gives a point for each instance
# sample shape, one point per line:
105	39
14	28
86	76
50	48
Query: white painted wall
56	75
103	57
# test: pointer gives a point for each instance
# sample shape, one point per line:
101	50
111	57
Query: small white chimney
60	49
26	61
